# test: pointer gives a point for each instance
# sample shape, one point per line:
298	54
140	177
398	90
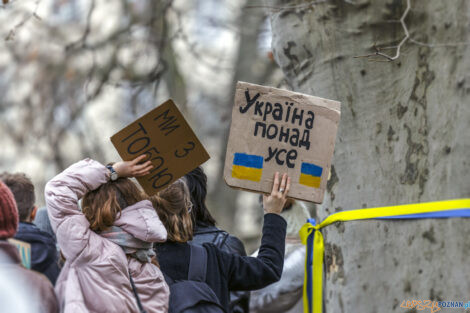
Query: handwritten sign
169	142
279	130
24	250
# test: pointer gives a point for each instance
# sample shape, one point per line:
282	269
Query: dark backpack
194	295
239	300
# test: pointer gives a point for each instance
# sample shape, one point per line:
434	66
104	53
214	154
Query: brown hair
23	191
172	205
103	206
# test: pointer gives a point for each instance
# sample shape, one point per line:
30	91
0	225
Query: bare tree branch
287	7
388	58
12	33
82	40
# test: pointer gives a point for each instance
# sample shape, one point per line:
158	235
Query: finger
276	184
138	159
140	167
142	174
143	171
149	167
286	191
283	183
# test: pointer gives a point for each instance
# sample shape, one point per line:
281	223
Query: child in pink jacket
107	242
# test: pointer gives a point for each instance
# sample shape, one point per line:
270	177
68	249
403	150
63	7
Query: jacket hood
142	221
43	247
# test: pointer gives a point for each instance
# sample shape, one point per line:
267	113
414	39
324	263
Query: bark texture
403	138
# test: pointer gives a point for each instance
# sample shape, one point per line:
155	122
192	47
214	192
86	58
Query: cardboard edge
336	104
267	193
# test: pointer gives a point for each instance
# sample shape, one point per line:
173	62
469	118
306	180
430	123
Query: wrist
275	217
277	213
113	174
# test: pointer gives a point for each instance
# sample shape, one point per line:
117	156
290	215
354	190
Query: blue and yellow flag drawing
247	166
310	175
24	250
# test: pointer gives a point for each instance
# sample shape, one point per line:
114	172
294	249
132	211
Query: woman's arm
248	273
62	194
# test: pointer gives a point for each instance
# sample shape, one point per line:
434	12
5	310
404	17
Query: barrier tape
311	236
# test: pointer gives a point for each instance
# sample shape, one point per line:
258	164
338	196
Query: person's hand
274	203
133	168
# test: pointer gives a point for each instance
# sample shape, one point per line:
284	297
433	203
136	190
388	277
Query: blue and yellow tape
311	236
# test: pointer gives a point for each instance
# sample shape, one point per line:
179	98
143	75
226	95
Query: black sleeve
249	273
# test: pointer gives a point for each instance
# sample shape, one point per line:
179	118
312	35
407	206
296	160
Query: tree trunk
403	138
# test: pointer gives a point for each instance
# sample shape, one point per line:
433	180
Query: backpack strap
197	263
221	243
136	295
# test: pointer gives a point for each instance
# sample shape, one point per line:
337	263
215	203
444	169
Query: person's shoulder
209	234
42	286
210	247
216	257
235	245
172	255
37	280
31	233
214	253
201	228
219	238
25	227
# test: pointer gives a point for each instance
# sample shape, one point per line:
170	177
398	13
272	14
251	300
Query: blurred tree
63	66
251	66
74	72
403	138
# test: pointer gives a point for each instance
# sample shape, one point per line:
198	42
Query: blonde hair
173	205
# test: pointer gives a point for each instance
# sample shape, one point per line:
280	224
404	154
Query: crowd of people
102	245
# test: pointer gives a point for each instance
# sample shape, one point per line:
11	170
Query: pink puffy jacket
95	277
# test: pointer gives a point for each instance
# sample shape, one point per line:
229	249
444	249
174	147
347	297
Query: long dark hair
197	185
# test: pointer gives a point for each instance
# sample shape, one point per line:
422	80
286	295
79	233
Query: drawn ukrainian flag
247	166
310	175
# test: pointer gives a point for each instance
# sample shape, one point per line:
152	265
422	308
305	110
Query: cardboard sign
24	250
279	130
165	136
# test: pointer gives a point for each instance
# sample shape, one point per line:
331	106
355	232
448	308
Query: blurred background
75	72
72	73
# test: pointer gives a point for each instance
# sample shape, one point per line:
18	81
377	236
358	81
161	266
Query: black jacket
227	271
239	300
43	250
